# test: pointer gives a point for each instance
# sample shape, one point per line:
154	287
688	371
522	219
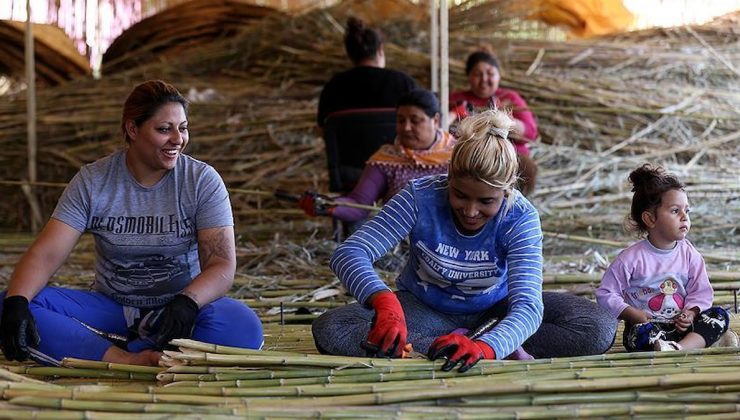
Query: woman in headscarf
421	148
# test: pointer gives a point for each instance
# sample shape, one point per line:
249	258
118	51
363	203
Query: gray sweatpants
572	326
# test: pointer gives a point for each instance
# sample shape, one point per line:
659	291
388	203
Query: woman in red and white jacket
484	75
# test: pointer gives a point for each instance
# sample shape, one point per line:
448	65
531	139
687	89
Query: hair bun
354	25
644	175
498	131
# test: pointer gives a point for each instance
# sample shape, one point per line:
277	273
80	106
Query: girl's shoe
663	345
728	339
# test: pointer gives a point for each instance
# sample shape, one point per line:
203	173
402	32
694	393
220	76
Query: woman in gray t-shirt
165	252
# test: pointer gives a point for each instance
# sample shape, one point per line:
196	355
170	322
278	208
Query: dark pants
710	324
572	326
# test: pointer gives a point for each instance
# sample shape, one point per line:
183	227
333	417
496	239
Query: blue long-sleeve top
448	270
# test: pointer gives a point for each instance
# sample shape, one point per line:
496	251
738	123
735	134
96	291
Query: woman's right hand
462	110
47	253
314	204
17	329
388	333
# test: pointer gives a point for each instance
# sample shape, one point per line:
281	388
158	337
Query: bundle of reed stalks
213	380
595	125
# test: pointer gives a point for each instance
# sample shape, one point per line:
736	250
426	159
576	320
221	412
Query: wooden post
439	43
434	44
28	189
444	94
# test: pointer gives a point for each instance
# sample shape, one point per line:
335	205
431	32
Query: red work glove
461	110
387	336
314	204
457	348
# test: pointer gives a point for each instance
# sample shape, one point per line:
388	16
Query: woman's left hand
457	348
178	319
684	320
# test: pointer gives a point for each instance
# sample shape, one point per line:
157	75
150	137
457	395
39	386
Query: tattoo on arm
217	244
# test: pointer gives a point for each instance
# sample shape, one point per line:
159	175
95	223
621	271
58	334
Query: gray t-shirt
146	241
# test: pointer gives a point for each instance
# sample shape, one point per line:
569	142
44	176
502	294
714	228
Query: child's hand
684	320
634	316
643	317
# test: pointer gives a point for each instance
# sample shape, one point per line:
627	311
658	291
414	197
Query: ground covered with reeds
604	106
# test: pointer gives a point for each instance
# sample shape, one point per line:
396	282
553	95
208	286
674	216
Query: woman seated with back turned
368	84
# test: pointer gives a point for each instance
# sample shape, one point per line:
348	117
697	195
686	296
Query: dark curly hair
361	42
649	183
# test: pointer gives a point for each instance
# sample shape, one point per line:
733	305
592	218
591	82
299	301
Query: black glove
178	319
17	329
314	204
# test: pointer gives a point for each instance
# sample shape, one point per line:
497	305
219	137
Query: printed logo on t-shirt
149	282
471	272
661	296
142	225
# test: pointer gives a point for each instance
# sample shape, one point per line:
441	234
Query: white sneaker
662	345
728	339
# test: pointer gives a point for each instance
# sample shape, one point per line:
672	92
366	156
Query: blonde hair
483	151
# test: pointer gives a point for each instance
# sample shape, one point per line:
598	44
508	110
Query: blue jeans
60	313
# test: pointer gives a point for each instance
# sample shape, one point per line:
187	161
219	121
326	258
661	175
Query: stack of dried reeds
177	29
604	106
588	106
57	59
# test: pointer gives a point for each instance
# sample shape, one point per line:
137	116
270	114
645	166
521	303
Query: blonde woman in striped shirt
475	255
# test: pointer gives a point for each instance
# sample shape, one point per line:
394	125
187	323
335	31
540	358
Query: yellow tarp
585	18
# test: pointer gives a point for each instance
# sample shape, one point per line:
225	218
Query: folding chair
351	136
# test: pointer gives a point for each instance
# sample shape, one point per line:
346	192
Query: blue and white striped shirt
447	270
